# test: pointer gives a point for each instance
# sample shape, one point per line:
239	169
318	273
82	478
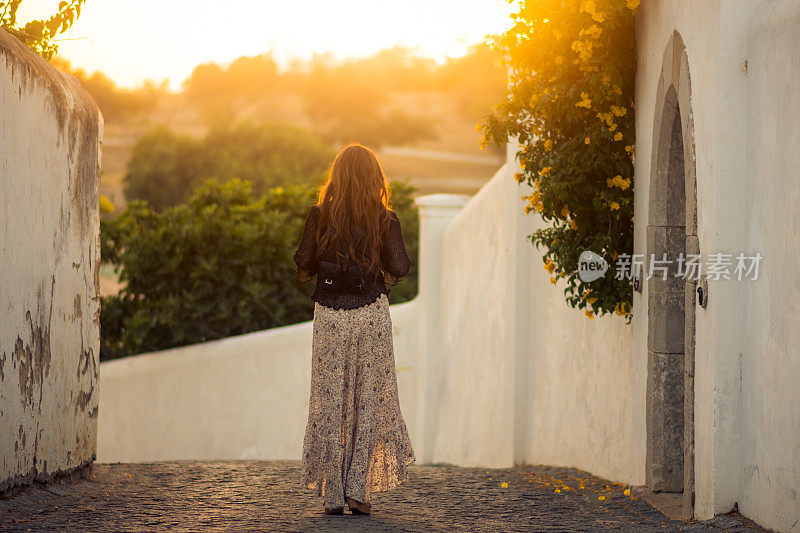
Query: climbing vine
40	35
570	106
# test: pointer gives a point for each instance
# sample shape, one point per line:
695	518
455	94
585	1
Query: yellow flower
558	491
591	8
617	181
591	300
504	485
538	207
612	127
629	149
628	491
592	31
632	5
618	111
616	90
518	177
589	314
601	498
106	206
614	206
606	117
548	145
549	266
585	101
583	49
606	79
587	140
553	280
545	171
618	136
565	211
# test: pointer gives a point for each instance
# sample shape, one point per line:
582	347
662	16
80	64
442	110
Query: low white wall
50	131
524	378
244	397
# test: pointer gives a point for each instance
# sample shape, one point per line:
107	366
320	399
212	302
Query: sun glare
153	39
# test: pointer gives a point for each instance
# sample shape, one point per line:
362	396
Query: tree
115	103
217	266
220	93
165	167
570	105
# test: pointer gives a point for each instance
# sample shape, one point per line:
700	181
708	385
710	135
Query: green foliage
219	265
570	105
39	35
402	201
165	167
216	266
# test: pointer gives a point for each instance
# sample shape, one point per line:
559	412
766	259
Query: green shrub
164	168
219	265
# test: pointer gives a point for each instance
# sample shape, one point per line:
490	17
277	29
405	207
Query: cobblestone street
265	496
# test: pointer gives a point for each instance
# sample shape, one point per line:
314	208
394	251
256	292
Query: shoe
357	507
336	510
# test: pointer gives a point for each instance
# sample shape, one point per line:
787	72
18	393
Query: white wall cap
443	200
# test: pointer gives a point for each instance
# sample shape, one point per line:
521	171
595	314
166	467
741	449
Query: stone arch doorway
671	235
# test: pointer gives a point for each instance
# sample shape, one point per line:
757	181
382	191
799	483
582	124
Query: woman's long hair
356	192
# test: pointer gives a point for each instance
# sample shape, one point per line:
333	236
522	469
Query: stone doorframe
672	229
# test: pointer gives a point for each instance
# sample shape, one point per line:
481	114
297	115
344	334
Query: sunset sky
155	39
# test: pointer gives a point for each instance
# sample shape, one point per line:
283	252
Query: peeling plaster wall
50	132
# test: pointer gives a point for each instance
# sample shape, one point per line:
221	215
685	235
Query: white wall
244	397
49	334
770	411
745	71
525	378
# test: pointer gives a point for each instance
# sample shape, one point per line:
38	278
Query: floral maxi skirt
356	441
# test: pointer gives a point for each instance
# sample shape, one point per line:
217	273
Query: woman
356	441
